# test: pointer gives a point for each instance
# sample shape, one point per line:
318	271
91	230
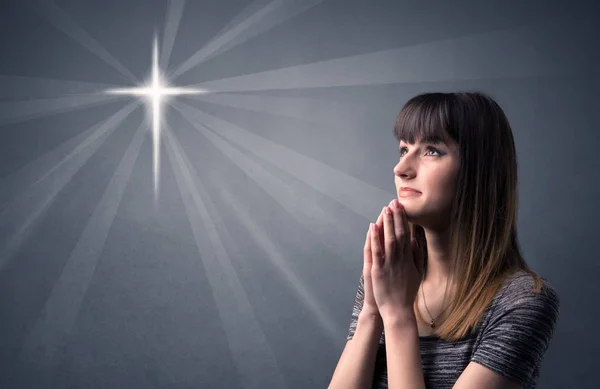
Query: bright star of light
156	92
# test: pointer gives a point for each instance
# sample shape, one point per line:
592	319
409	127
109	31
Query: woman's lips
408	193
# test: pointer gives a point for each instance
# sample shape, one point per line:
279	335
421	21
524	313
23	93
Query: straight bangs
426	118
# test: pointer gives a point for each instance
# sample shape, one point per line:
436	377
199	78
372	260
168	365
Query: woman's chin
413	216
410	216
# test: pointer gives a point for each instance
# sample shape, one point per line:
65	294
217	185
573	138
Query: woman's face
431	169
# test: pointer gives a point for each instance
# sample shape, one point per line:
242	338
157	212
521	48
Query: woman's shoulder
518	292
521	284
519	329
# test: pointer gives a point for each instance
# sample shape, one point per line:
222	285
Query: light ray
471	57
246	13
357	195
261	20
157	92
277	258
59	19
172	25
326	228
23	88
49	334
156	97
228	293
305	212
20	215
312	110
19	181
19	111
287	198
221	40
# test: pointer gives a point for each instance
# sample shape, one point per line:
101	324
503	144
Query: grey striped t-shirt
511	338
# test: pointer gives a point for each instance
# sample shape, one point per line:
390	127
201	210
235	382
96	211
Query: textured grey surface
242	273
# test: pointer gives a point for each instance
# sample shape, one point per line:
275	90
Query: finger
380	218
397	213
367	250
401	230
376	249
379	221
380	226
405	229
389	236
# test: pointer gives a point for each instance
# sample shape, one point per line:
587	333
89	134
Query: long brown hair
484	245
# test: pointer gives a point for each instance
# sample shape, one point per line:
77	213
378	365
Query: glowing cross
157	92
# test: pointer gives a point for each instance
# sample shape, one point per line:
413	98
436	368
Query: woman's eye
428	150
434	150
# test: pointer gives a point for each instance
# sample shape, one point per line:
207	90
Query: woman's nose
402	169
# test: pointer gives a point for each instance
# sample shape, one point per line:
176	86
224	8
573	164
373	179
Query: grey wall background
242	272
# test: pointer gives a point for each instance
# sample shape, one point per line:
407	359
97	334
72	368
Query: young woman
445	299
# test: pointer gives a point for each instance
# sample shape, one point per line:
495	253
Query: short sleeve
519	331
357	307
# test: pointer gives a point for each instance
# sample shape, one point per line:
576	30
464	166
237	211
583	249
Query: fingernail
371	226
387	210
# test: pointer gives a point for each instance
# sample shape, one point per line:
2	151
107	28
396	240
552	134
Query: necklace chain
432	322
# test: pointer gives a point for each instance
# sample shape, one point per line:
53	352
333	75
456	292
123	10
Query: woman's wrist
400	318
370	317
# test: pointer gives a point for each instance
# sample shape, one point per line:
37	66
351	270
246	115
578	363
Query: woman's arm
403	352
357	364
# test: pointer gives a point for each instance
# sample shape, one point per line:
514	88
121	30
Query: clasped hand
393	266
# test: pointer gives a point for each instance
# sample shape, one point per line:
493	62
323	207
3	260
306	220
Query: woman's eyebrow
438	143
